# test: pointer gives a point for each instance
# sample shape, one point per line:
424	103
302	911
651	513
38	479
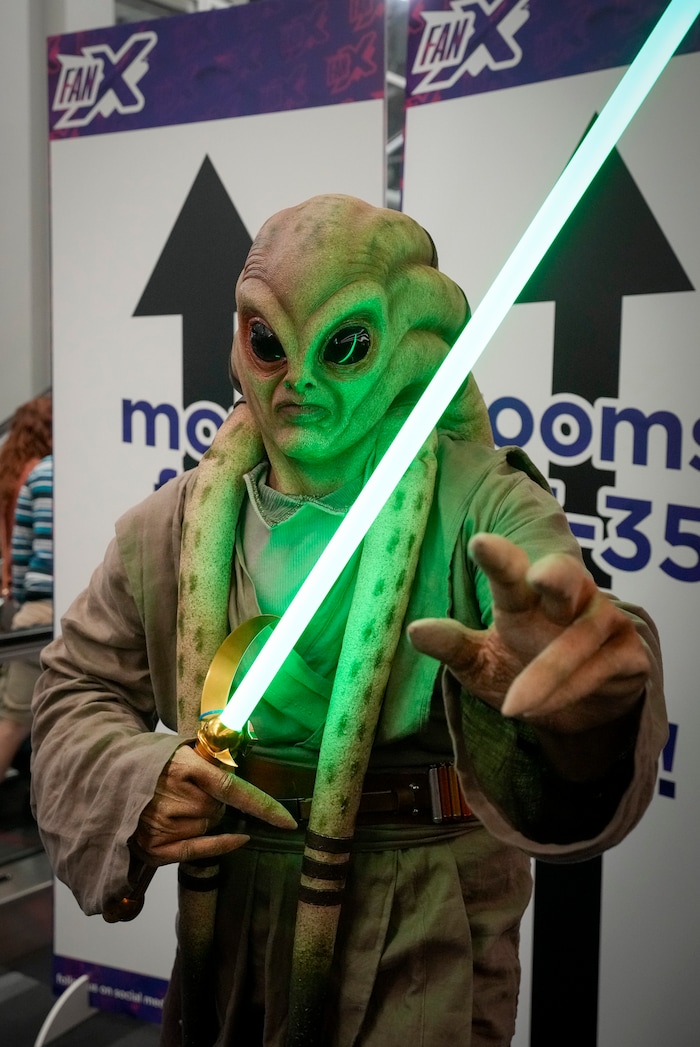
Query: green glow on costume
570	187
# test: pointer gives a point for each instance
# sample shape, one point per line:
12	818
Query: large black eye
265	345
349	345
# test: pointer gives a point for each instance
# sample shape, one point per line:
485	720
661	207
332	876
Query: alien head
342	318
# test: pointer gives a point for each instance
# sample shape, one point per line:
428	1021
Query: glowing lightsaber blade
539	236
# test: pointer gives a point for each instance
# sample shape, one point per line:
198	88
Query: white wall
25	368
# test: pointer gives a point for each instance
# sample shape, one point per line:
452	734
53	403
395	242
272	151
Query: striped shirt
32	536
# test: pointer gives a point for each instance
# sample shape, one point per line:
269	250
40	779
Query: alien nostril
298	384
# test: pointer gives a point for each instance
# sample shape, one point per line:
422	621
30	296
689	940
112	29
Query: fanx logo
467	39
100	81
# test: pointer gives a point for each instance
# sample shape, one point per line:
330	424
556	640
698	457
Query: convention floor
26	918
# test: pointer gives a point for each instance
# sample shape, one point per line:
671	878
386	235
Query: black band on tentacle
324	870
202	884
315	897
331	844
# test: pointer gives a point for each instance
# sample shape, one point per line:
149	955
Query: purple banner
255	58
113	990
463	47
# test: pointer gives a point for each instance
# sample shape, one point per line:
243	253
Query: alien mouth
301	411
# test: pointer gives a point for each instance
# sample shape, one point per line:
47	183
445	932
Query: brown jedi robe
97	760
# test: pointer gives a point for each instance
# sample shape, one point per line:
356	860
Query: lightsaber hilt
219	744
216	744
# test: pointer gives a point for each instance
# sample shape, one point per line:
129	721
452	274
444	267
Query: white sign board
596	373
171	142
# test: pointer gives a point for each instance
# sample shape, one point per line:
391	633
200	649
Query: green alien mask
342	318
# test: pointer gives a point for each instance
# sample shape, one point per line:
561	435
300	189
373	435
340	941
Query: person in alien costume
465	629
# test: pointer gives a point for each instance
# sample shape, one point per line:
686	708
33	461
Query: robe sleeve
96	754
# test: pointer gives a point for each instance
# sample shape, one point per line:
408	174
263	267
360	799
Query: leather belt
427	795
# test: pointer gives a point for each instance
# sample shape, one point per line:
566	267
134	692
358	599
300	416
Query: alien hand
190	798
559	653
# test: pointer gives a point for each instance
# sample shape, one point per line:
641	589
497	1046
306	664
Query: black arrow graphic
195	278
610	247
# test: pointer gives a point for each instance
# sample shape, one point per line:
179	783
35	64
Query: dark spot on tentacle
393	542
342	725
400	579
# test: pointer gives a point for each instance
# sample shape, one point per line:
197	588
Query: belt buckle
415	789
406	797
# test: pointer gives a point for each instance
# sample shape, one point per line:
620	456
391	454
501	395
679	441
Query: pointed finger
200	847
506	566
446	640
599	652
563	585
247	798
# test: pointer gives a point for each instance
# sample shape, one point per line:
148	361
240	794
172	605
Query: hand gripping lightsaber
539	236
215	743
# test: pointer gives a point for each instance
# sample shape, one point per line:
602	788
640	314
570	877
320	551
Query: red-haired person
26	548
